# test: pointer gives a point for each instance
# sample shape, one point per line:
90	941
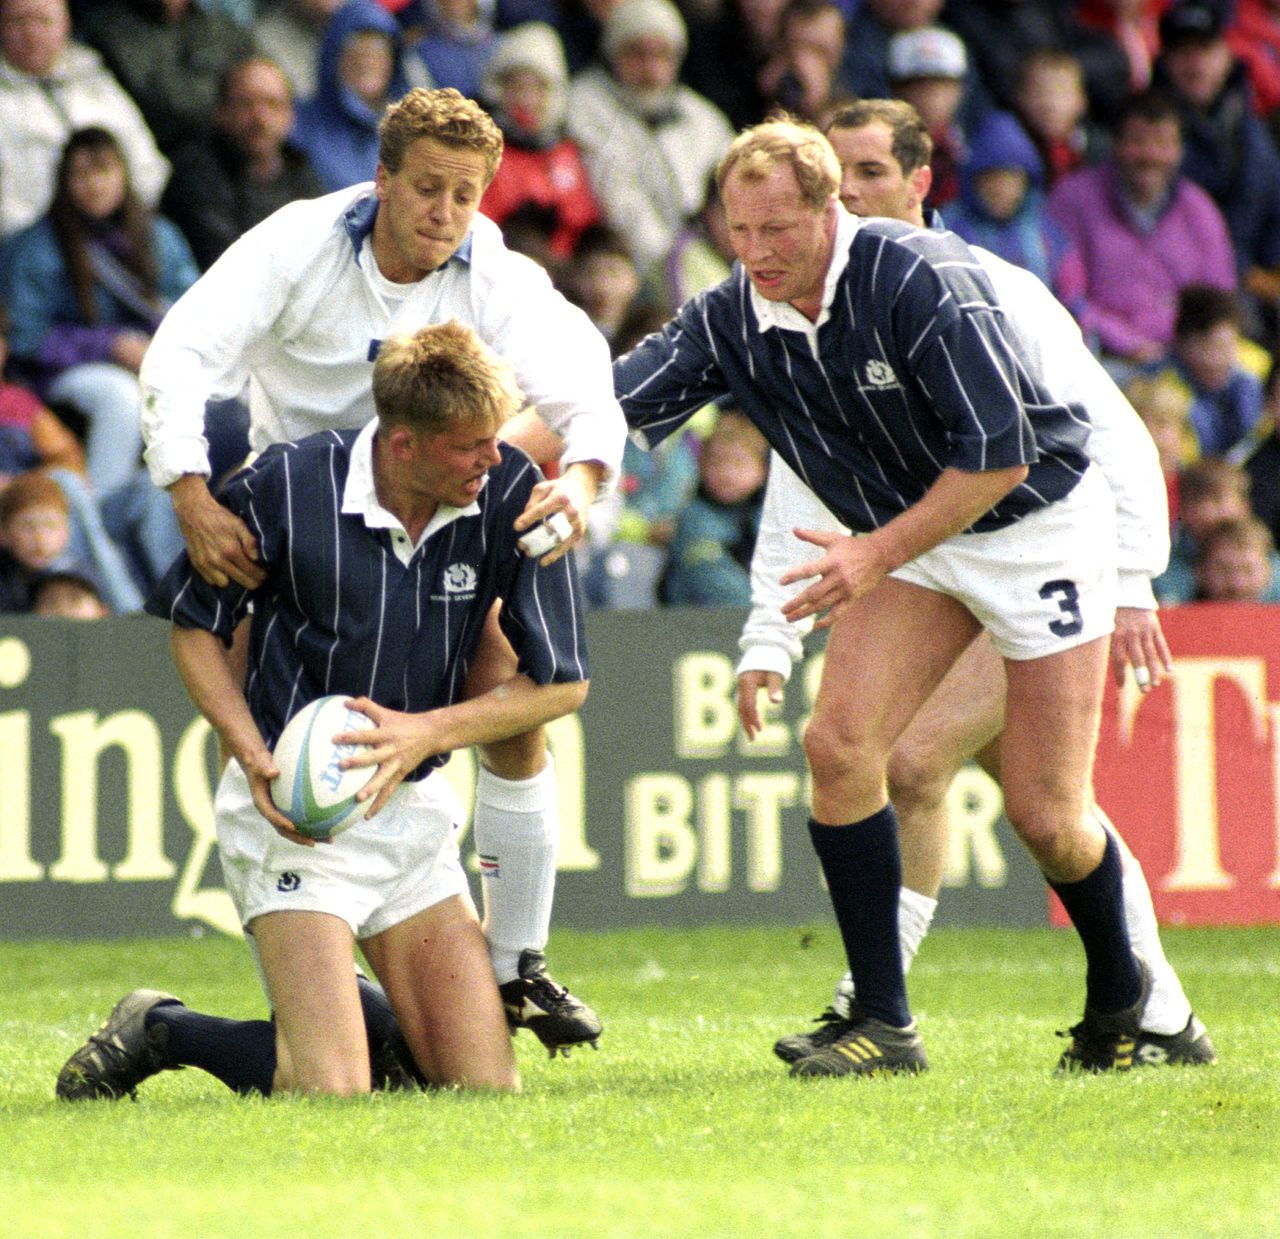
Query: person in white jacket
297	308
50	86
884	154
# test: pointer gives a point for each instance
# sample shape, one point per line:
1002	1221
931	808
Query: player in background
297	308
884	153
382	552
876	360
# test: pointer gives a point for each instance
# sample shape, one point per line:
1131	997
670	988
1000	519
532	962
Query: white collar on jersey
782	314
359	498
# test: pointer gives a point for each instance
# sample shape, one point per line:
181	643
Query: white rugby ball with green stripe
312	790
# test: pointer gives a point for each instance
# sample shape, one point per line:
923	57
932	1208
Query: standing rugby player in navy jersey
875	358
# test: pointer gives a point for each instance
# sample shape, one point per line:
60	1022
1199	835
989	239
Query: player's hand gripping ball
312	790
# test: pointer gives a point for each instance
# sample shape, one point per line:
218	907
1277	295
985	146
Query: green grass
684	1124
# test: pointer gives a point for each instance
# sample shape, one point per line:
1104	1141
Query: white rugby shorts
374	875
1040	586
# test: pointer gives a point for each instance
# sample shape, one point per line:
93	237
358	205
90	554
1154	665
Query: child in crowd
1210	491
525	85
1051	103
927	68
67	595
604	281
1209	354
49	521
709	563
1238	563
35	531
30	433
1002	208
1164	405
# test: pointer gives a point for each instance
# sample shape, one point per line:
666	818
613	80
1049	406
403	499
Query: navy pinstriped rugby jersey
340	613
915	372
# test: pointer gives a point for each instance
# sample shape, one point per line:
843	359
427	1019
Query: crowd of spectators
1125	151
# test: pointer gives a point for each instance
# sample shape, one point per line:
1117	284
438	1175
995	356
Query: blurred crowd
1125	151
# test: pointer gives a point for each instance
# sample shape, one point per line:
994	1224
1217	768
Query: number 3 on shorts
1068	603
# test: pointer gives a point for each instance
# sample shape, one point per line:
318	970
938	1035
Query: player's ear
921	181
401	441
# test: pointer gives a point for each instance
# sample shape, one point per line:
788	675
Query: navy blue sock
384	1032
1095	905
863	868
240	1053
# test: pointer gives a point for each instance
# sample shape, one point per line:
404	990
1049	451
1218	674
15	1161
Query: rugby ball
312	790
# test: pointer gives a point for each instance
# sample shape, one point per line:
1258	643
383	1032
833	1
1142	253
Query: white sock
516	830
915	913
1167	1010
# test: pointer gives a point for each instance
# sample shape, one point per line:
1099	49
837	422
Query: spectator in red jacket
525	85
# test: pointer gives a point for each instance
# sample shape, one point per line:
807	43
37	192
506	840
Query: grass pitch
683	1124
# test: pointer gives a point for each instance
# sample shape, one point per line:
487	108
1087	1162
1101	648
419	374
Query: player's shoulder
894	239
514	476
305	226
322	450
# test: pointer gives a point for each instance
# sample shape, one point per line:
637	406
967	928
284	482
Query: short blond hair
441	377
755	153
444	116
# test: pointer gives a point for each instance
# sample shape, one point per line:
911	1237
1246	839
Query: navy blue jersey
340	613
914	372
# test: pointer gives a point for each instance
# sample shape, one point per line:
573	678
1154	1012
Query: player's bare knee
916	777
837	754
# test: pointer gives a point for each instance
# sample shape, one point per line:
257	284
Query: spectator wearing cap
525	88
649	143
1143	231
1227	149
865	71
927	69
1002	208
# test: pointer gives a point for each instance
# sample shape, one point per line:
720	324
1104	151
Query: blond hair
444	116
755	152
441	377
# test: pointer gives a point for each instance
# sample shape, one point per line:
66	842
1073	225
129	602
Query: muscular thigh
886	654
962	714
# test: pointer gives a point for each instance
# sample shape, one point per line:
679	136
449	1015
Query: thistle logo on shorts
288	882
880	373
459	579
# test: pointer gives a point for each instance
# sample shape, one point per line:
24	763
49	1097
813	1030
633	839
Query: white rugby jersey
297	309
